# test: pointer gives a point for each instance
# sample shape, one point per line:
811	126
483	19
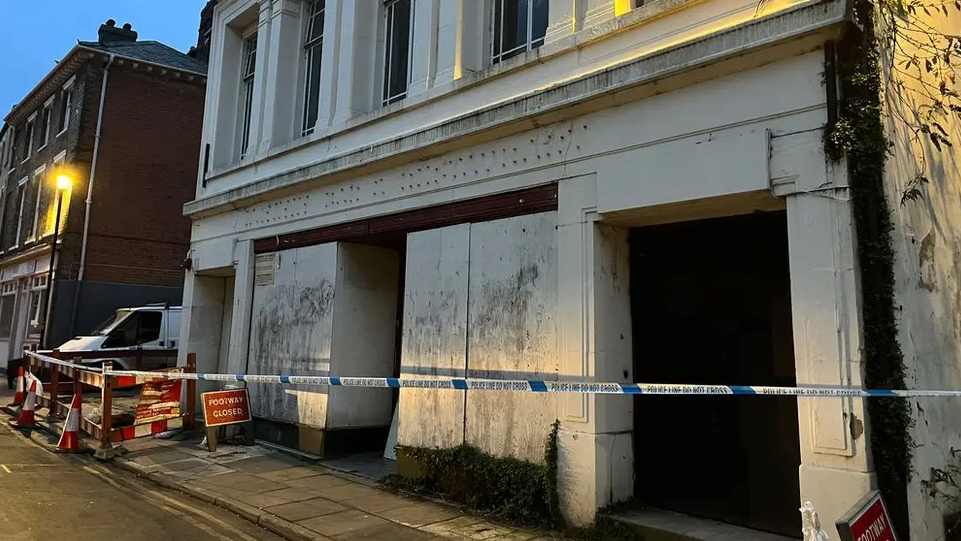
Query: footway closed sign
868	521
226	407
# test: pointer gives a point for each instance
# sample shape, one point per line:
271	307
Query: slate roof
152	52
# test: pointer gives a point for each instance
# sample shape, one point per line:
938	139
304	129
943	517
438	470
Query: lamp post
63	184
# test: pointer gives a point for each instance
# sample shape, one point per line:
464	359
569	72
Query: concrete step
660	525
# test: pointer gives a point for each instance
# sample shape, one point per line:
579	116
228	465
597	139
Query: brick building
122	119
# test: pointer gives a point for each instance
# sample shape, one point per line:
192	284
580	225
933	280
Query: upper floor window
66	101
21	200
397	53
28	139
248	66
519	27
313	49
45	116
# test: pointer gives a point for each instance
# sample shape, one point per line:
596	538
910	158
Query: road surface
46	496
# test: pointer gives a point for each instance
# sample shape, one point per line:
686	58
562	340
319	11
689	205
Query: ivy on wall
859	134
504	487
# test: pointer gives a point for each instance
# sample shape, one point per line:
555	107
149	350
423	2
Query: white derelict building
598	190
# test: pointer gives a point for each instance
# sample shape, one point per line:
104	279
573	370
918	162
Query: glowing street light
63	184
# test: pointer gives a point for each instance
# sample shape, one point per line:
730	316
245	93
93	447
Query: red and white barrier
70	438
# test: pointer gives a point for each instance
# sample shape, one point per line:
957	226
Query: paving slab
293	494
349	491
262	501
305	509
318	482
244	482
291	473
378	503
386	532
343	522
421	514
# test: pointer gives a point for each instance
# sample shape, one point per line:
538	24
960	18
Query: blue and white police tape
545	386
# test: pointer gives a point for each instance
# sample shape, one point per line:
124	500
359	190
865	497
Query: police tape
546	386
52	360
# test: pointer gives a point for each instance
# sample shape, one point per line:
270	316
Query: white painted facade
676	110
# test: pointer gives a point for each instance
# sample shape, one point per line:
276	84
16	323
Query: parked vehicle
154	326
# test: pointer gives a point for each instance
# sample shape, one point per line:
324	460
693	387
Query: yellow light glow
63	182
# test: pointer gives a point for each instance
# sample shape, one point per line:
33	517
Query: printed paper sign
264	269
226	407
159	400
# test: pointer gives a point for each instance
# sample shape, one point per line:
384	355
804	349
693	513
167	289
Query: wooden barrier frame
104	431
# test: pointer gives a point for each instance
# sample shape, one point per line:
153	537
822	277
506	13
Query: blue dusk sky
35	34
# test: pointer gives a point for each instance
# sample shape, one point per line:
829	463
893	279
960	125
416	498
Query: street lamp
63	184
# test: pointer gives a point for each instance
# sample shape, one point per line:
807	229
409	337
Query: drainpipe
89	202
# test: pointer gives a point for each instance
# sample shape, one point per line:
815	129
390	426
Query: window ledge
63	131
42	147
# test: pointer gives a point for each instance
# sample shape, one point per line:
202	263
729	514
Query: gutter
91	178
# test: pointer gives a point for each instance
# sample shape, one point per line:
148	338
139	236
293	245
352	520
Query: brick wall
147	170
69	140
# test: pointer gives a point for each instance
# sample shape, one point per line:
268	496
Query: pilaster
595	441
836	469
283	56
423	57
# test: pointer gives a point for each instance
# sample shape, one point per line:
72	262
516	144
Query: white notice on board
264	270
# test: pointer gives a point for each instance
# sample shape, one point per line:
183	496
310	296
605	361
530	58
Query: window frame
39	176
28	136
248	59
312	47
529	43
46	117
10	165
22	196
389	25
66	101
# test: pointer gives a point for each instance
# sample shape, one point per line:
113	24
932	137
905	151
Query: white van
154	326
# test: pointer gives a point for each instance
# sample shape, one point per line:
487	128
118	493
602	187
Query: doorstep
661	525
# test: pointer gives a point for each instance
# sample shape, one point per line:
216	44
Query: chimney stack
109	33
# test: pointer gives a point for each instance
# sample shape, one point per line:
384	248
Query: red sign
159	400
868	521
226	407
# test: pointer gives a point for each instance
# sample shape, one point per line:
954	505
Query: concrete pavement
310	501
46	496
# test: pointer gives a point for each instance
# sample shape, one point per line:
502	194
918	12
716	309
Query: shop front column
836	469
596	453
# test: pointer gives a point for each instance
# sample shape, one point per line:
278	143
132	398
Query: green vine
505	488
859	134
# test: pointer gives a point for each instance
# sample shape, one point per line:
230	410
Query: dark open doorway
710	303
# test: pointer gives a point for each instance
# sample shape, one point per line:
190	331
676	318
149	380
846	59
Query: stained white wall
927	268
485	292
291	333
512	332
435	335
362	339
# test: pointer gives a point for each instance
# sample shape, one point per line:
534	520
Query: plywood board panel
435	335
512	332
291	331
364	327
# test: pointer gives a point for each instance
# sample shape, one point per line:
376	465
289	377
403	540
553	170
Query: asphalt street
47	496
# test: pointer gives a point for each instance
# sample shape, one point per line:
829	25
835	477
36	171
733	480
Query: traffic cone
70	439
26	418
18	398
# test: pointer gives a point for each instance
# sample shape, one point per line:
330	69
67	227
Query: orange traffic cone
70	439
26	418
21	391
